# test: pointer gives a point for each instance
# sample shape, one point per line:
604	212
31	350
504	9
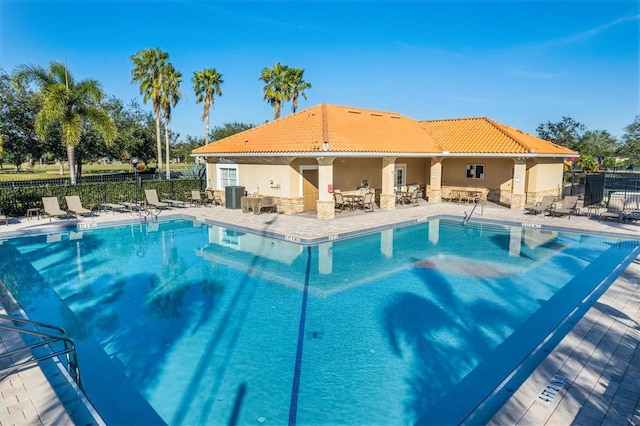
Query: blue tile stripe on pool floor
295	388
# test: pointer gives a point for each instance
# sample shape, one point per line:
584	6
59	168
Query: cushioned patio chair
567	206
542	205
51	208
74	206
153	201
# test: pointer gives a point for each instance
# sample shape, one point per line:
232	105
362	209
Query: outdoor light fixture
325	146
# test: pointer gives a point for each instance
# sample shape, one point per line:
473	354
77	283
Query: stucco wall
497	172
348	173
545	174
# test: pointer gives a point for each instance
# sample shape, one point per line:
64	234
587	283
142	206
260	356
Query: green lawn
9	172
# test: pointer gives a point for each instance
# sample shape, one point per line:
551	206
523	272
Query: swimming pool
181	322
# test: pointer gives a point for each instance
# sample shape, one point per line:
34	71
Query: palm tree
206	84
148	65
169	97
73	106
297	86
276	87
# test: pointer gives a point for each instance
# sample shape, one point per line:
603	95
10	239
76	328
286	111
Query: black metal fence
597	187
18	196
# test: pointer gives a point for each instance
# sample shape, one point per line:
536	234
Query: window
227	175
475	171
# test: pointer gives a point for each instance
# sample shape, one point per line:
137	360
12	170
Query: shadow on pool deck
599	356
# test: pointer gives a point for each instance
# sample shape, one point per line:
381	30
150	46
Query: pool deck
600	355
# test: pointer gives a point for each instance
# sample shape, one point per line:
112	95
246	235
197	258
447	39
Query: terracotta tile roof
484	136
360	131
346	129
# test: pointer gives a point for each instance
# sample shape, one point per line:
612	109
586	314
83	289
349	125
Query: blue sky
522	63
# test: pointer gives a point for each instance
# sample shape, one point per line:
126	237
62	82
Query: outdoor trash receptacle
233	194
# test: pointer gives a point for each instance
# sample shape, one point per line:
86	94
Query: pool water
181	322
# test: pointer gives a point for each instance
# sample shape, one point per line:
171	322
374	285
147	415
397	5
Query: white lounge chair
51	208
74	205
153	200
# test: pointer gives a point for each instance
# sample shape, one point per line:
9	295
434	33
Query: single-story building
299	159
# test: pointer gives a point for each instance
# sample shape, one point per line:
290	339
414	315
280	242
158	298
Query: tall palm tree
276	87
297	86
73	106
170	95
206	84
148	65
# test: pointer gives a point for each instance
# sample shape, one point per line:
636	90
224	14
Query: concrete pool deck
600	356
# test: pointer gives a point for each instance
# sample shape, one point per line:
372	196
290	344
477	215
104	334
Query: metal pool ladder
468	216
54	343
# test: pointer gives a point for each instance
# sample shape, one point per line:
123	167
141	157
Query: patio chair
367	202
614	210
196	199
542	205
51	208
214	200
340	203
413	198
74	205
151	196
568	206
4	218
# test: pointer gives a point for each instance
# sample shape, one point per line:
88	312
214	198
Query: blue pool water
185	323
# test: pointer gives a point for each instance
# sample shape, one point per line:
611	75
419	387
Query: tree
73	106
588	163
206	84
567	132
183	149
228	129
170	95
631	141
18	111
276	88
297	86
147	71
136	131
599	144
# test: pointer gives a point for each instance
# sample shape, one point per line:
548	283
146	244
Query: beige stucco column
518	195
435	180
387	195
325	205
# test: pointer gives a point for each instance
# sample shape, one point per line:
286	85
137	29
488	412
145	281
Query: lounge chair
74	205
4	218
568	206
542	205
614	210
153	201
51	208
631	215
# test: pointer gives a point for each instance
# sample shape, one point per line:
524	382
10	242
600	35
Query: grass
9	172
